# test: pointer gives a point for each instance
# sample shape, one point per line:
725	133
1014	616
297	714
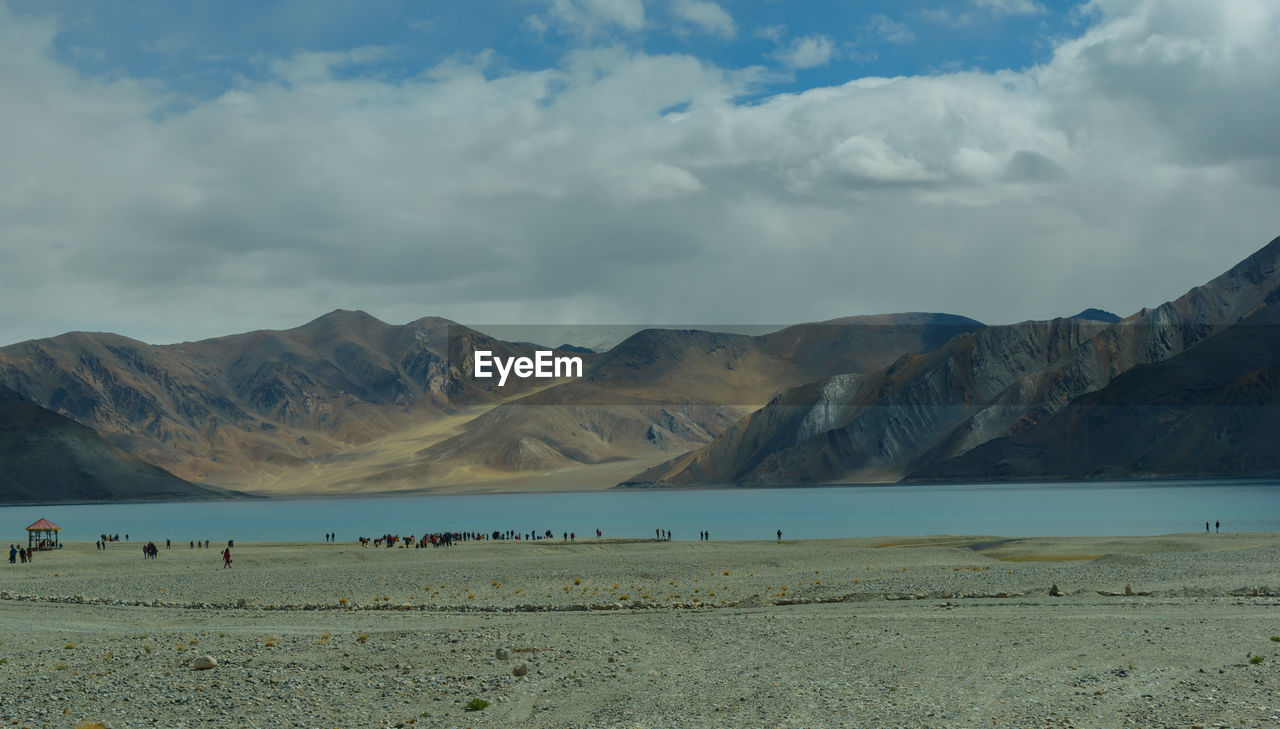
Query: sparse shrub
362	638
1256	660
271	642
477	704
577	580
86	724
343	601
69	646
324	639
1275	638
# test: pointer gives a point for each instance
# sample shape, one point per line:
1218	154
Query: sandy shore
938	632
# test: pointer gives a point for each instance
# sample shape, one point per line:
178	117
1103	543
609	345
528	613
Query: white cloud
1010	7
1135	163
590	17
706	16
890	29
810	51
774	33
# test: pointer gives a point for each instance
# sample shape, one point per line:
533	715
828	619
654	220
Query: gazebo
43	535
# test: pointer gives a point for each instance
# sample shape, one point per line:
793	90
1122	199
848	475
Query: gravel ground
938	632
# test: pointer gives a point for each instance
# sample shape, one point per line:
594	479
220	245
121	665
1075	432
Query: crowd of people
449	538
16	553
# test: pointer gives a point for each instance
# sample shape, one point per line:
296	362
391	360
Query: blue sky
204	47
181	170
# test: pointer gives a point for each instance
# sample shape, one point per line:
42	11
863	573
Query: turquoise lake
1012	510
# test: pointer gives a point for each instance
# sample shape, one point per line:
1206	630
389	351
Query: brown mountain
660	393
349	402
48	458
993	383
257	403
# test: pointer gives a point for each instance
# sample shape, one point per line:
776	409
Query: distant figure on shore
780	535
1206	527
1217	527
226	558
13	554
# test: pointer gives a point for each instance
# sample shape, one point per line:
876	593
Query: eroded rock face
996	383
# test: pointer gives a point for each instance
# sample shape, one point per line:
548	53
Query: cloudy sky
173	171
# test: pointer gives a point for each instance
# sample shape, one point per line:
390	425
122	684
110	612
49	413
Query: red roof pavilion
43	535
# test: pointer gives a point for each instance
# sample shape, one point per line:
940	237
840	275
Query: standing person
226	558
1206	527
780	534
13	554
1217	527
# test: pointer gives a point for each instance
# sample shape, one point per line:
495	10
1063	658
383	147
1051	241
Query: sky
174	171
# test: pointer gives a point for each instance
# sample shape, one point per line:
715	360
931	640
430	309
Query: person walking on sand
13	554
226	558
779	535
1206	527
1217	527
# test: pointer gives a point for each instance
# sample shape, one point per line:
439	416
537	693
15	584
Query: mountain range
348	403
1185	389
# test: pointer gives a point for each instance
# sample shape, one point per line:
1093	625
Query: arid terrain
934	632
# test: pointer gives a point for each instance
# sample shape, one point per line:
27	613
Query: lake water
1125	508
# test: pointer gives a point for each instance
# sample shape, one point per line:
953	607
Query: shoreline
483	489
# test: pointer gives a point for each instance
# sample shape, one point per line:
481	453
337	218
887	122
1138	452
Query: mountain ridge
995	382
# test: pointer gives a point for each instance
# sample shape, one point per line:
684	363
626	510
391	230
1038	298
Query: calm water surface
1124	508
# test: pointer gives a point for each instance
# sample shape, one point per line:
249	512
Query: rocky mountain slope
48	458
348	402
1213	410
223	408
661	393
997	382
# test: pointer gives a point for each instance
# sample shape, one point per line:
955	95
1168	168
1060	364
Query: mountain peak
1101	315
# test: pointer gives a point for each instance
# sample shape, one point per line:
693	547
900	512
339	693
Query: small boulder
502	654
203	663
1128	590
1054	591
520	670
